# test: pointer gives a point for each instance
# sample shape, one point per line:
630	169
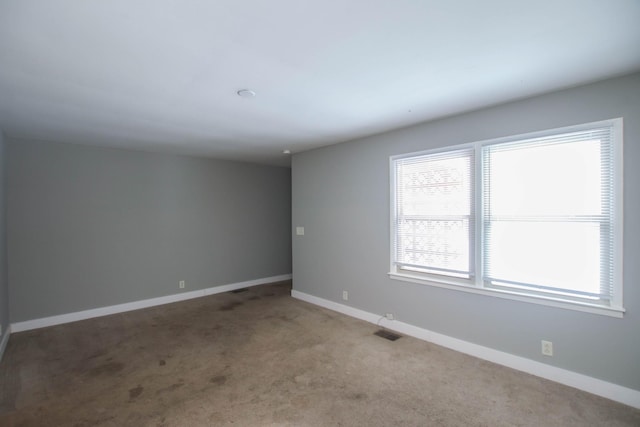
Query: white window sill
541	300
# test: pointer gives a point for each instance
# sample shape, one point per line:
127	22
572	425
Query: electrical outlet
345	295
389	316
547	348
181	284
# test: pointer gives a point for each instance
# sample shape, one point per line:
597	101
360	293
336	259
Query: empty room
319	213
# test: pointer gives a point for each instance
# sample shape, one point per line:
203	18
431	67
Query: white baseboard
592	385
136	305
5	340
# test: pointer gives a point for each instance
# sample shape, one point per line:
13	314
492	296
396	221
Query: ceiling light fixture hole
246	93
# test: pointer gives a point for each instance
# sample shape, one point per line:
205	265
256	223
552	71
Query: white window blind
535	218
548	214
434	213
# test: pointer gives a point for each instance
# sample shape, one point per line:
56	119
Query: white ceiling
162	75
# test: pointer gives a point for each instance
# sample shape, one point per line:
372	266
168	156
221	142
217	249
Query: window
434	213
535	218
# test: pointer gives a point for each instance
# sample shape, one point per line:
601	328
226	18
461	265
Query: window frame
475	283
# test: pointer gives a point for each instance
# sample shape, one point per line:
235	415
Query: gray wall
341	197
91	227
4	287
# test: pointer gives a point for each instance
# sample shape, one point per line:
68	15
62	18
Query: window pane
557	179
438	245
436	187
550	254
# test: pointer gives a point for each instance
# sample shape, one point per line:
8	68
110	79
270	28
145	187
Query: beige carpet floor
262	358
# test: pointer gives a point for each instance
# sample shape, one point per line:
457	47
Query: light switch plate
300	231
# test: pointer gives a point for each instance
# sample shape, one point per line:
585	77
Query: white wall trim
592	385
5	341
136	305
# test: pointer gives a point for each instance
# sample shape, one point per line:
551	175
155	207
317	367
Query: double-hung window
434	218
535	218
